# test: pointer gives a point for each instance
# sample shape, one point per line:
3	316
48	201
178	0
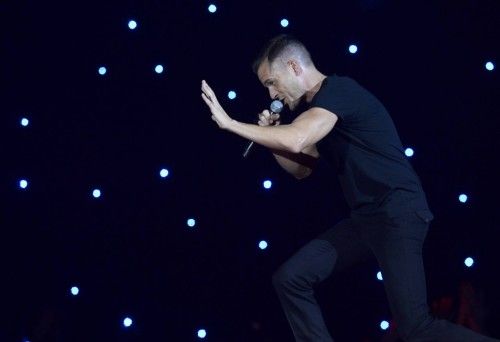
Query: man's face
281	81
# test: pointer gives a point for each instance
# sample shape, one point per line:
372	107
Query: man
351	129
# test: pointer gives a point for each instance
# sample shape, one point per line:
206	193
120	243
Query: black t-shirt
366	152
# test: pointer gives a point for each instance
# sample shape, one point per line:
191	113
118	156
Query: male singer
351	129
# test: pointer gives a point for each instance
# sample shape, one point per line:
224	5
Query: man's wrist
231	125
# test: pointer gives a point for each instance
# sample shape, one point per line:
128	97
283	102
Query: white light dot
463	198
191	222
23	183
267	184
25	122
263	245
164	173
159	69
75	290
490	66
379	276
469	262
409	152
384	325
202	333
132	24
231	95
102	71
127	322
212	8
96	193
353	49
284	22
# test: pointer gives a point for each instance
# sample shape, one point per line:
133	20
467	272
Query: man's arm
300	165
306	130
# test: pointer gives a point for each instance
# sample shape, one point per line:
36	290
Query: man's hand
268	119
219	115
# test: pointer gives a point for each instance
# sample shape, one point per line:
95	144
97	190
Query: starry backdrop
110	94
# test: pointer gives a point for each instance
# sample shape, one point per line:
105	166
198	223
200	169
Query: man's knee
287	277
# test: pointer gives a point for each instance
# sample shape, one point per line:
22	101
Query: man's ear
295	66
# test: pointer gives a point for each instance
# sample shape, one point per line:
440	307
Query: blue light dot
353	49
102	71
127	322
164	173
25	122
284	22
463	198
490	66
267	184
202	333
191	222
159	69
384	325
409	152
231	95
469	262
75	290
132	24
23	184
263	245
96	193
379	276
212	8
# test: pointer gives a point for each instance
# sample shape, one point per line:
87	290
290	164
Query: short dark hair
277	46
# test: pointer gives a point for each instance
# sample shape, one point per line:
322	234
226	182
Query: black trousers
397	245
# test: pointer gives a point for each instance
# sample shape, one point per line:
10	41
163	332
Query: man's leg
397	245
313	263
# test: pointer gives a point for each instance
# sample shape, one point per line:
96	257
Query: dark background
130	251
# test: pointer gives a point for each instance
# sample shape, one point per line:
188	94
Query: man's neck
316	80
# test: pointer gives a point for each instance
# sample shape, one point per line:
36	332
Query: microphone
275	108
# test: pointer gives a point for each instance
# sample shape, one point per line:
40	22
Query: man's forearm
300	165
284	137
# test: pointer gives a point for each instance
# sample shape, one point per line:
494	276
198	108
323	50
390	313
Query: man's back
366	152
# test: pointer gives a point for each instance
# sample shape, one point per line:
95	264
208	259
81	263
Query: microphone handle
247	150
249	147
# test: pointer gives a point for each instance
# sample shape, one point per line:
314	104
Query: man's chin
292	105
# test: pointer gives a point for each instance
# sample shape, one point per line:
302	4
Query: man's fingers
275	117
207	90
206	99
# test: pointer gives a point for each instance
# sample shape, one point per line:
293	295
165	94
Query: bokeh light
202	333
132	24
469	262
409	152
212	8
23	183
263	244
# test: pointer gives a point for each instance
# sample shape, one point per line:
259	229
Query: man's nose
273	93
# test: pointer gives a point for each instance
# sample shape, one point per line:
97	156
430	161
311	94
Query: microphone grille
276	106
